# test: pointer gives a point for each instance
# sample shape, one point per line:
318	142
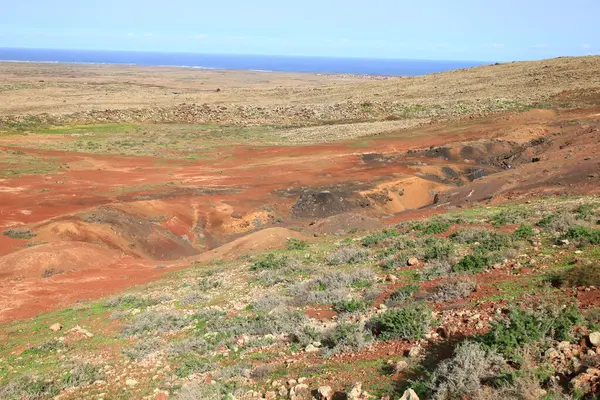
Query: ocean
363	66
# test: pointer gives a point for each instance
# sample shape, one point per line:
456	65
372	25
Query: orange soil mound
58	256
266	239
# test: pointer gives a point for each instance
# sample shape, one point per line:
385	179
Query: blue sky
498	30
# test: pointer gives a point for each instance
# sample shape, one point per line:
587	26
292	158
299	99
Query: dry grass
95	93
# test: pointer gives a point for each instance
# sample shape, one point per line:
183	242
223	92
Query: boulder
325	393
595	339
409	394
55	327
412	261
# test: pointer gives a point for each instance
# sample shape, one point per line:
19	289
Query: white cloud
200	36
586	46
131	34
541	46
495	45
147	35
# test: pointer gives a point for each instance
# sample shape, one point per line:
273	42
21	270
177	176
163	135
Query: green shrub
374	239
142	349
452	289
471	263
526	326
330	287
506	217
346	255
81	374
580	275
350	306
559	222
131	301
435	227
29	387
401	294
586	211
410	322
23	234
346	337
462	375
192	364
488	240
524	231
270	261
437	249
296	244
154	321
435	269
583	235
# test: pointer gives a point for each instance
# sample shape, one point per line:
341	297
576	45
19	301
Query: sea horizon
262	63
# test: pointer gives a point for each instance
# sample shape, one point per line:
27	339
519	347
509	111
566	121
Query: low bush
435	269
462	375
400	295
143	349
487	240
275	323
193	344
270	261
437	249
559	222
153	321
435	226
345	337
131	301
296	244
471	263
269	303
586	211
506	217
23	234
411	322
350	306
583	235
347	255
452	289
523	326
331	287
580	275
29	387
79	374
193	364
524	231
374	239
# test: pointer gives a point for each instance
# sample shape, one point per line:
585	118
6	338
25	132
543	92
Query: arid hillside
192	234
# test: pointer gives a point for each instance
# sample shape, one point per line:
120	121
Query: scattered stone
302	379
356	392
391	278
400	366
270	395
409	394
595	338
131	382
414	352
55	327
311	348
82	331
412	261
242	340
325	393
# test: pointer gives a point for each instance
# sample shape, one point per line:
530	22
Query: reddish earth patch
192	207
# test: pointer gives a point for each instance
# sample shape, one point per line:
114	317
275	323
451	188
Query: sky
480	30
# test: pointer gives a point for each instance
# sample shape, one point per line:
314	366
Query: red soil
208	203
